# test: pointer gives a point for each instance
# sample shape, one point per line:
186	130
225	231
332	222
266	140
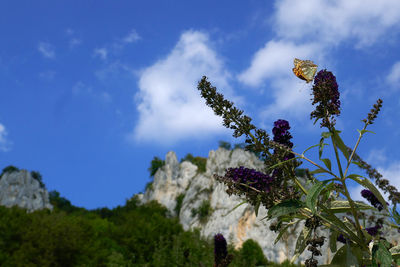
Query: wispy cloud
393	77
46	49
101	53
47	75
132	37
73	40
169	105
117	45
5	144
365	21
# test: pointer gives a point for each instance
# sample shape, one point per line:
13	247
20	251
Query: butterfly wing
304	69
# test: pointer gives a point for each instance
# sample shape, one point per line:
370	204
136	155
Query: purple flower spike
326	94
373	230
251	177
220	248
372	199
282	135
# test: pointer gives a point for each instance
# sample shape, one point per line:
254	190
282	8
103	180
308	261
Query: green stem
346	192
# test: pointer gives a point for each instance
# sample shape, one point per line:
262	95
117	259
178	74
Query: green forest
131	235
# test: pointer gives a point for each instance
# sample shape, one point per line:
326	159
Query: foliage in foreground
131	235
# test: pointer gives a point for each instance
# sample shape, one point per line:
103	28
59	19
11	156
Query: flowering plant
289	201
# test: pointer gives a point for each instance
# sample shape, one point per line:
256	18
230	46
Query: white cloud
101	52
133	36
393	77
5	144
366	21
47	75
46	49
81	88
169	104
275	60
74	42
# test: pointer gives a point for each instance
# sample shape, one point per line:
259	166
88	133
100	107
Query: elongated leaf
327	163
285	208
237	206
358	164
395	215
346	256
326	135
354	176
284	230
339	143
313	193
283	162
340	206
395	251
301	243
381	255
257	206
318	171
367	183
332	240
364	131
310	148
321	147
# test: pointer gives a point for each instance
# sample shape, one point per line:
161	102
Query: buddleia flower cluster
266	188
326	94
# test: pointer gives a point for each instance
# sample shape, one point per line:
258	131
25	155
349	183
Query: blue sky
91	91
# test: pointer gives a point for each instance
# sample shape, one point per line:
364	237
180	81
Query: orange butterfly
304	69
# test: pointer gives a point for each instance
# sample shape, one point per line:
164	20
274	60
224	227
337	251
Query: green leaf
332	240
395	251
285	208
367	183
284	230
381	255
327	163
313	193
355	176
339	143
347	256
395	215
364	131
237	206
283	162
257	206
341	206
326	135
301	243
310	148
318	171
358	164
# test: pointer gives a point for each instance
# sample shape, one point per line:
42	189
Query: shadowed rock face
174	179
21	189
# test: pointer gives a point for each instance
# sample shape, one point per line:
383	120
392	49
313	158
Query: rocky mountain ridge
201	202
19	188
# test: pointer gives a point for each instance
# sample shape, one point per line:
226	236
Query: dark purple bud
220	248
341	239
373	230
372	199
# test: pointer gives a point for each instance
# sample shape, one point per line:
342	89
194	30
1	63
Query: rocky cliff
203	203
19	188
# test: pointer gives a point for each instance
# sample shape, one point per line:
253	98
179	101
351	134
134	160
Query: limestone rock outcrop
19	188
174	179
